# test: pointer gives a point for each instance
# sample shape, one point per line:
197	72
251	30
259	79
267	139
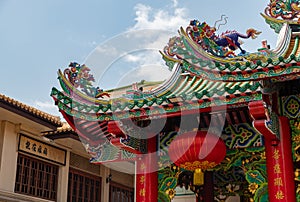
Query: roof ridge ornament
288	10
218	45
79	77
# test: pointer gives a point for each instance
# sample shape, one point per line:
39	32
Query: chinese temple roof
191	89
264	64
200	79
206	70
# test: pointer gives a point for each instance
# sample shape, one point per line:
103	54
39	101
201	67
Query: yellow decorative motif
198	177
297	138
279	70
263	155
279	195
252	187
242	100
247	75
170	193
204	165
297	174
107	118
296	154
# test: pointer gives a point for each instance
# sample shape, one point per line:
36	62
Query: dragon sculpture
285	9
79	76
222	45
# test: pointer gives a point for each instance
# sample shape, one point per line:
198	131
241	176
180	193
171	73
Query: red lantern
197	150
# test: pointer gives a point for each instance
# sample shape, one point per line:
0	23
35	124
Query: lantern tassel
198	177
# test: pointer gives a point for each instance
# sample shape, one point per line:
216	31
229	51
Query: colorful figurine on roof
221	45
134	93
285	9
80	77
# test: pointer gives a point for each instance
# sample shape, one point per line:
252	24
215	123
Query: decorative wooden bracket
264	121
123	143
123	140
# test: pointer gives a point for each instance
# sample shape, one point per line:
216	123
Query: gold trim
204	165
278	20
79	93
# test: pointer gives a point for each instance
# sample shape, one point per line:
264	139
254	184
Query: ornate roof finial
284	9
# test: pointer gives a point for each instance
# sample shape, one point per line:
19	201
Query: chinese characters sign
42	150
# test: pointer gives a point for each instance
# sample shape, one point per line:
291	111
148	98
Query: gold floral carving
204	165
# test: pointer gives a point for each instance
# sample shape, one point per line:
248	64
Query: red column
280	170
279	162
146	174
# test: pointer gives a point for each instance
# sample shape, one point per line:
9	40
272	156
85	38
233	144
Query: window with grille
36	178
120	193
83	187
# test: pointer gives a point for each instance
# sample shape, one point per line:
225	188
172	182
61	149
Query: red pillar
279	162
280	170
146	174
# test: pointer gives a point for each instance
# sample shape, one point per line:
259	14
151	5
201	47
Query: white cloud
132	58
149	64
149	72
109	50
175	3
149	18
134	55
153	72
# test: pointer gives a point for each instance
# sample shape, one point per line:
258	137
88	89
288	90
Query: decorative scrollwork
80	77
286	10
221	45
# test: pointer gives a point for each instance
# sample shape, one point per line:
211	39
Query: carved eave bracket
264	121
126	137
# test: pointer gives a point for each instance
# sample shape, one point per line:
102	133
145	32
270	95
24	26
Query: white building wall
8	162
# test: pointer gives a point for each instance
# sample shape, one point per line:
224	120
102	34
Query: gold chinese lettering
276	154
278	181
142	192
143	166
279	195
276	168
142	179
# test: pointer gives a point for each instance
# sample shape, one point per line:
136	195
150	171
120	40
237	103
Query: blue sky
40	36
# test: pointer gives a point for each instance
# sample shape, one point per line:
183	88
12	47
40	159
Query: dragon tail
249	33
252	33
